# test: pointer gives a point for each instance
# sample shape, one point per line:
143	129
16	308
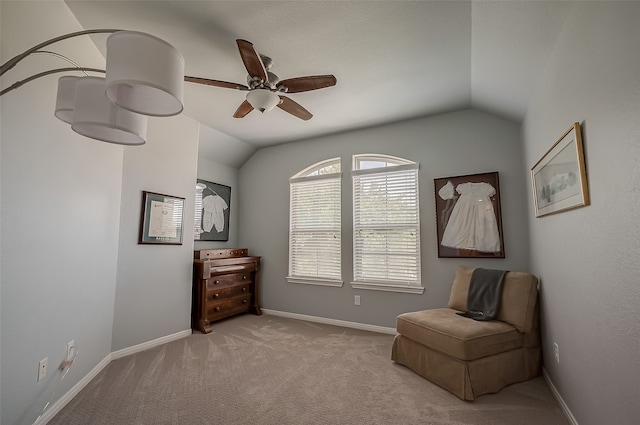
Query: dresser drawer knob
216	295
244	276
244	301
216	309
216	282
244	289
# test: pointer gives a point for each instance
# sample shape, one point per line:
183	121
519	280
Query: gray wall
461	143
587	258
60	218
153	295
71	265
59	258
216	172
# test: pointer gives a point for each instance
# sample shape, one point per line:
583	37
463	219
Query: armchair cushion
458	336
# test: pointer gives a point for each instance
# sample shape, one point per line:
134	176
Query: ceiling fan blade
251	60
242	111
294	108
314	82
215	83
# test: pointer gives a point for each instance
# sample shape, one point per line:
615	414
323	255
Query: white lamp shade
144	74
65	99
96	117
262	99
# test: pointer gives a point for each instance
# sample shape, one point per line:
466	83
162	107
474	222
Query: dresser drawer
212	254
228	307
220	293
228	280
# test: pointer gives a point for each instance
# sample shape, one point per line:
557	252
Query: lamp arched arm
37	49
45	73
187	78
15	60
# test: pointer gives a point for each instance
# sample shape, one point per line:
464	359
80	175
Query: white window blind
386	224
314	229
197	230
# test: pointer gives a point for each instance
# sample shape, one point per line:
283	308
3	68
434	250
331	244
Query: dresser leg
204	326
255	310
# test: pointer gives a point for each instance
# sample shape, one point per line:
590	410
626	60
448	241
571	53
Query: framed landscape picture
559	178
213	204
468	215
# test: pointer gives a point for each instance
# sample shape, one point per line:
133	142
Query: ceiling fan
265	88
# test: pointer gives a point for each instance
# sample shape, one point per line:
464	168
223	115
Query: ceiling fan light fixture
145	74
263	100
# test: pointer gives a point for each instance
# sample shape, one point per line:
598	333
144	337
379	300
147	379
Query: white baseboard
66	398
150	344
335	322
56	407
558	397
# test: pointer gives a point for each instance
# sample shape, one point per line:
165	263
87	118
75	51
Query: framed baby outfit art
468	216
213	202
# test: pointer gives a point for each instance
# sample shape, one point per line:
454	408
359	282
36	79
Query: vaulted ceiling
393	60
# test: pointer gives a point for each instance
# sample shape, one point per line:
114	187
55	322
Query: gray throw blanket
485	294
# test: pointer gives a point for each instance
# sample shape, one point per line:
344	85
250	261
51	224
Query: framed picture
468	215
559	179
162	217
213	204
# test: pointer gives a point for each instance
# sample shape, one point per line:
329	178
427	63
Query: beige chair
468	357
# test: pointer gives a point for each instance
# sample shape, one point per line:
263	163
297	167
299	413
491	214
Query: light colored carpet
272	370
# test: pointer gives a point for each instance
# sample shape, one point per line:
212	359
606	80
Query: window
315	225
386	224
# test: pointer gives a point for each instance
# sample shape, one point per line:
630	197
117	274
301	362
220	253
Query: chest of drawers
225	283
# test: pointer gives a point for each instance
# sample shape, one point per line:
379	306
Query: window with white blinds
386	224
315	225
197	230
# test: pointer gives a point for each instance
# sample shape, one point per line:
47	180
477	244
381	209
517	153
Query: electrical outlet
556	352
356	300
70	351
42	368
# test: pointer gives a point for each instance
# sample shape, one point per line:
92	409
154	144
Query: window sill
311	281
388	287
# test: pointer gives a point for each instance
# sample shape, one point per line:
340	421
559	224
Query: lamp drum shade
94	116
144	74
65	99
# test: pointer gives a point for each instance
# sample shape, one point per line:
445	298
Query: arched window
386	224
315	225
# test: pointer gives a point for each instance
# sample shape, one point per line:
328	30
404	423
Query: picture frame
559	178
469	216
162	218
212	211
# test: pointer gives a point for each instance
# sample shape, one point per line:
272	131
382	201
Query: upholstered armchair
468	357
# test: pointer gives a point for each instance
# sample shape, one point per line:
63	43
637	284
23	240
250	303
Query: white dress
472	224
